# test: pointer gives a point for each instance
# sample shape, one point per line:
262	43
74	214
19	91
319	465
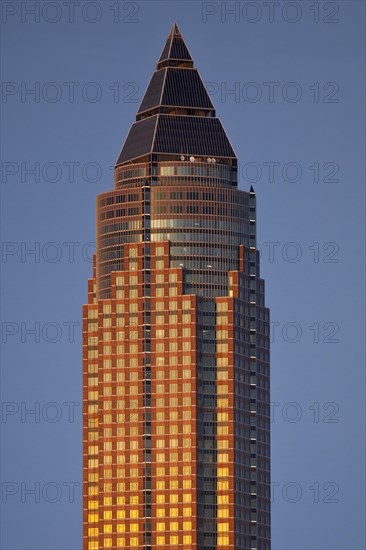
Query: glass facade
176	340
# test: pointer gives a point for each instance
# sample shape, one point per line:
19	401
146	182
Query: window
166	171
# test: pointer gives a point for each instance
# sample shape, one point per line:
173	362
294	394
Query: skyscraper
176	337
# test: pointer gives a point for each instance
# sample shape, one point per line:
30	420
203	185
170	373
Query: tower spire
175	52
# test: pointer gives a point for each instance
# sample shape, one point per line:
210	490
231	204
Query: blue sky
287	82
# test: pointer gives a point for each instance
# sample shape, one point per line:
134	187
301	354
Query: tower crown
176	115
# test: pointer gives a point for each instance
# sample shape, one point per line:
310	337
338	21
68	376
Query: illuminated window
187	539
222	430
222	348
173	539
223	457
222	374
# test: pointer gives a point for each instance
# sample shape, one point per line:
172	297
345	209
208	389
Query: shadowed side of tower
176	336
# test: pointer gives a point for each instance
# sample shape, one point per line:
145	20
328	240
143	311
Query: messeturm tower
176	423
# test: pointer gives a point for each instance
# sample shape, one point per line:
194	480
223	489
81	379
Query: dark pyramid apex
175	52
251	189
176	115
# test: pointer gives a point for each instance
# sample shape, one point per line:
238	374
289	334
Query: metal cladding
178	135
176	115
